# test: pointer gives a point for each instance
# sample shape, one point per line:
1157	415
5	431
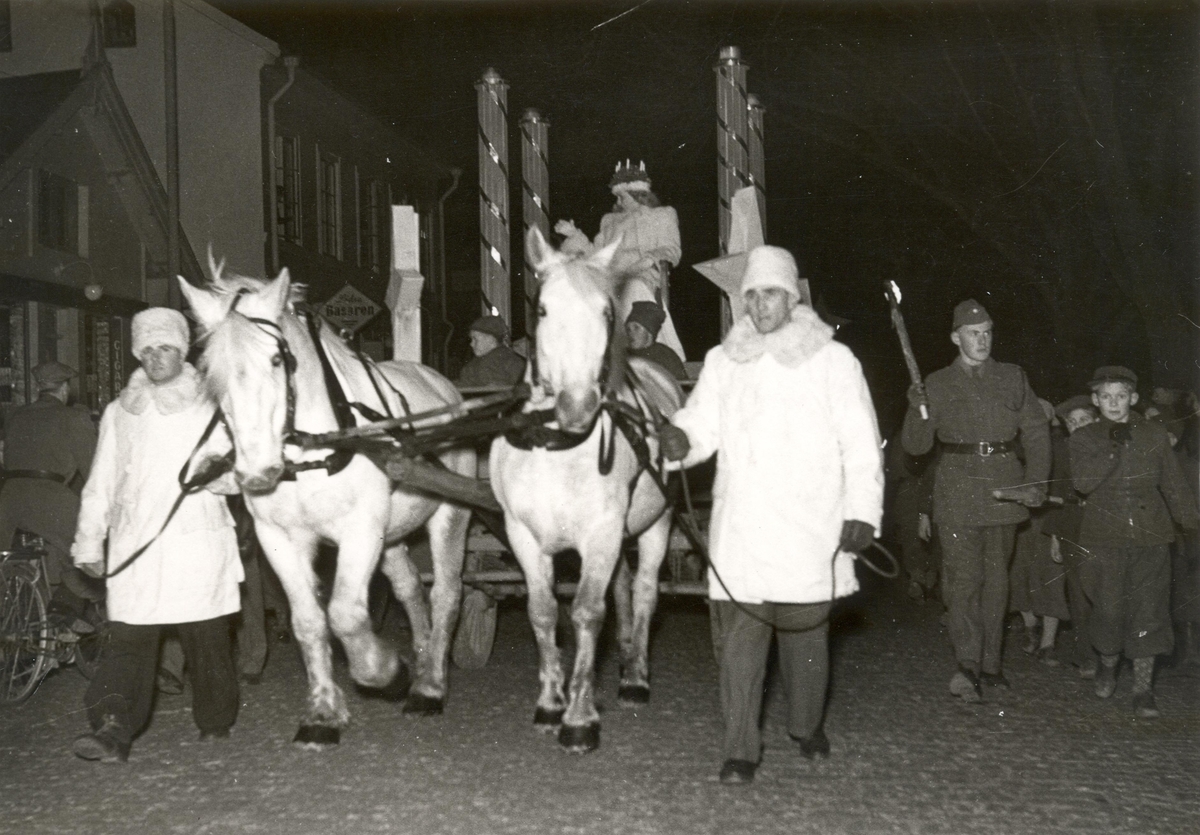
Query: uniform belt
984	448
44	475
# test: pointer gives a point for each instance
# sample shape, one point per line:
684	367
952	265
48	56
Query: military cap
970	312
647	314
1113	374
52	373
491	325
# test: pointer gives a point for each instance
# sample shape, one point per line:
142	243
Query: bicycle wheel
24	638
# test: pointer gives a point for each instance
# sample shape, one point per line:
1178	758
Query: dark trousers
1132	607
975	589
1081	591
802	632
124	683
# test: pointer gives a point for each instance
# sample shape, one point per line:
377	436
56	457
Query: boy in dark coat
1124	465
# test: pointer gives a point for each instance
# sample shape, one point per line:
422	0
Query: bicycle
34	641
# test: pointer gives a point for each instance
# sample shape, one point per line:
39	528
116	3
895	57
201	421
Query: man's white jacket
191	572
799	453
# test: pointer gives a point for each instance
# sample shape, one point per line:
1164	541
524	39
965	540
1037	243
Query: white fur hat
160	326
771	266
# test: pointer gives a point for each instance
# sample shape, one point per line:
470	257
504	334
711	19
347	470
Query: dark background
1039	157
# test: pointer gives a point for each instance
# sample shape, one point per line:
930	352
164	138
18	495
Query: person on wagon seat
494	363
48	448
976	408
189	574
798	491
641	329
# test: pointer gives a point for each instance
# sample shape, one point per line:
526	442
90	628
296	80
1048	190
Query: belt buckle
986	448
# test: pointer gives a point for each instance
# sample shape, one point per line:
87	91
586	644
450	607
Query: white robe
192	570
800	453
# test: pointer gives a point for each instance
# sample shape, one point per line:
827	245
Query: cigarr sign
349	309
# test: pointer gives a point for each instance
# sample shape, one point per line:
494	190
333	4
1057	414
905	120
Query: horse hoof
317	737
395	690
547	720
580	739
422	705
633	694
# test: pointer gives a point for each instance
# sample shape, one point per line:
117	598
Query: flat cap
52	373
493	325
647	314
1079	401
1113	374
970	312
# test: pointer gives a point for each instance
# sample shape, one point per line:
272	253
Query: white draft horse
263	368
556	497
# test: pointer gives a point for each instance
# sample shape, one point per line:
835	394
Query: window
5	26
373	224
329	205
119	21
287	189
61	214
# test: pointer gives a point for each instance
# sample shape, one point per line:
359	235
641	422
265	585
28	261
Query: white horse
264	370
584	488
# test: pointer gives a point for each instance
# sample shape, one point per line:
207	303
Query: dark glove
673	442
210	470
1122	433
856	536
917	398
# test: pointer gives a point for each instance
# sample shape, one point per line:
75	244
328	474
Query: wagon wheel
476	630
24	638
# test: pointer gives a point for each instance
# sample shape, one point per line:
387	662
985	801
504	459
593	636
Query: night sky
1039	157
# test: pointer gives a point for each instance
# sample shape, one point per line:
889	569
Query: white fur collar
793	344
171	398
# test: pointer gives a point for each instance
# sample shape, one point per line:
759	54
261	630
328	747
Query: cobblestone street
1045	757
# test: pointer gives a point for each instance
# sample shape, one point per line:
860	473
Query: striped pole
758	165
535	183
494	245
732	147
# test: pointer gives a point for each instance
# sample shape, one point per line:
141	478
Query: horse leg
580	731
291	555
407	587
448	544
622	592
634	688
538	568
374	663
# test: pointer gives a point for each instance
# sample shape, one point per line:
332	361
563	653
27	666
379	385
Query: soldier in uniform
48	451
977	408
494	364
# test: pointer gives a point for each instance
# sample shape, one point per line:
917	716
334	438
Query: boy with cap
799	490
494	363
189	573
641	329
1135	489
48	448
977	407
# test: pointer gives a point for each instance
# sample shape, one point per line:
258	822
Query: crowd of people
999	502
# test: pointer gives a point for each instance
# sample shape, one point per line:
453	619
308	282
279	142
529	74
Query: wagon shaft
418	474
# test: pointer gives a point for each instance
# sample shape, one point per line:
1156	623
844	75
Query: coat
800	454
993	404
501	366
1134	491
192	570
51	436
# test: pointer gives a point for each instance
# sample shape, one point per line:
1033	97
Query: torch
892	291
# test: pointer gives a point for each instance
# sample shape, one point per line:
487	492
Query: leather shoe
1145	706
965	685
736	772
1106	681
995	680
814	746
213	736
104	744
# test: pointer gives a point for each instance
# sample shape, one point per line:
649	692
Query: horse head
247	366
575	328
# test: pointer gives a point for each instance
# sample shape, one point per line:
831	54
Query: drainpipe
456	173
290	62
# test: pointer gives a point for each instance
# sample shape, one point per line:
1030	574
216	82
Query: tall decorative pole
732	147
494	245
758	165
535	182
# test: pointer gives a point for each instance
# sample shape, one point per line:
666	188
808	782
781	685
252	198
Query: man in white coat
799	489
188	576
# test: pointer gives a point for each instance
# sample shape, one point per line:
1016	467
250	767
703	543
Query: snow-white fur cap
160	326
771	266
